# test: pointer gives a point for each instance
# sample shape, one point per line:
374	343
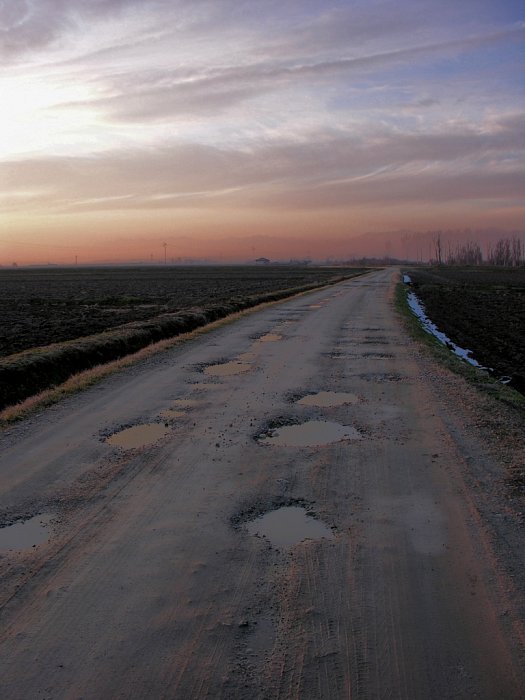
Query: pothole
246	357
171	413
309	434
379	355
327	399
138	436
288	526
198	386
227	369
26	534
270	338
382	377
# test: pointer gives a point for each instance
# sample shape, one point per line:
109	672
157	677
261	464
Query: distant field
57	322
43	306
479	308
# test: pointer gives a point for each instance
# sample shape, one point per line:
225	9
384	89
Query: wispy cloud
117	105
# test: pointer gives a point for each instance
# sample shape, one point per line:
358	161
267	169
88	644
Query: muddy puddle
227	369
172	413
26	534
310	434
328	399
270	338
138	436
247	357
287	526
315	306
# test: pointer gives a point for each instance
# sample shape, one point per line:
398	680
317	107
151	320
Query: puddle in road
310	434
138	436
23	535
327	399
315	306
270	338
171	413
227	369
288	526
246	357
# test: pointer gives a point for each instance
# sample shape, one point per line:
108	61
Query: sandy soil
152	586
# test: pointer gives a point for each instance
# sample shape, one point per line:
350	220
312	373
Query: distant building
262	261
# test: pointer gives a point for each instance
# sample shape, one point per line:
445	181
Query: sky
230	129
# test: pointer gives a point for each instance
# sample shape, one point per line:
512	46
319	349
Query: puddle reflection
270	338
23	535
288	526
310	434
171	413
227	369
326	399
138	436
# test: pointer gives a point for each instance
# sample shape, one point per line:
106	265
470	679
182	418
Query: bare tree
468	253
516	252
501	253
438	247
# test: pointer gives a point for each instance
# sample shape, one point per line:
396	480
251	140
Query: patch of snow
418	310
406	279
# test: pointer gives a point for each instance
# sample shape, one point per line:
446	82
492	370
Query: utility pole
165	245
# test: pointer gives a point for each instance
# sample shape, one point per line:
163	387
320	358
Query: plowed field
480	309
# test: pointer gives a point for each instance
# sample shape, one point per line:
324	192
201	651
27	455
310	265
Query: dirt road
153	583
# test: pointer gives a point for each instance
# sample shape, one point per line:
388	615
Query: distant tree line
506	252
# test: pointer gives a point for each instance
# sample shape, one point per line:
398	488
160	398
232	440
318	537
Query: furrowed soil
44	306
56	323
480	309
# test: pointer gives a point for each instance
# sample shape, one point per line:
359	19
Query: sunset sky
232	129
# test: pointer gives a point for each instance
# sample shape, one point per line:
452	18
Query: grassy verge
478	378
47	375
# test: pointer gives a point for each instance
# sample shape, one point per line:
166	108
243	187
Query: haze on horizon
232	129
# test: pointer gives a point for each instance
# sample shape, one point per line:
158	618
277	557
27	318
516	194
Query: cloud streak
117	106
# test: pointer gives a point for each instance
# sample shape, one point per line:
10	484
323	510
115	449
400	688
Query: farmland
50	305
55	322
479	308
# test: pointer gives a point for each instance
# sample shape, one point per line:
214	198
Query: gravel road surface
158	580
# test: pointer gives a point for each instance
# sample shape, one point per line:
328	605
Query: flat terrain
479	308
158	581
50	305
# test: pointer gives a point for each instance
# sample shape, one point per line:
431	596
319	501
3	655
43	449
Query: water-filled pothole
198	386
287	526
310	434
172	413
186	403
227	369
26	534
246	357
138	436
327	399
270	337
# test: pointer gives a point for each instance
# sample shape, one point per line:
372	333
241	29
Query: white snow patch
418	310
